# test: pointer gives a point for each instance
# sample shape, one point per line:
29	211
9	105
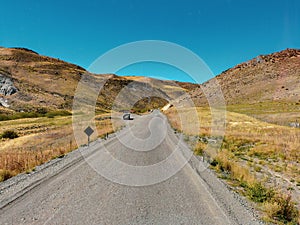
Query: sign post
88	131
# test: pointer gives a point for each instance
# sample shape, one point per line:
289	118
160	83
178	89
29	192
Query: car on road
127	116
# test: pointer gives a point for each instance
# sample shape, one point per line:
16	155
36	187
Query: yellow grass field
251	152
40	140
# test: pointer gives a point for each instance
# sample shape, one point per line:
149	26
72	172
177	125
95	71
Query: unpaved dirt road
78	194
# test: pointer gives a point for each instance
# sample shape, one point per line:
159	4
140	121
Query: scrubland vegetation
258	159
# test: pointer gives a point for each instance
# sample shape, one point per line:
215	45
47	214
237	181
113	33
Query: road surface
79	194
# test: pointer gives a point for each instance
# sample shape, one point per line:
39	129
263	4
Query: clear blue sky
223	33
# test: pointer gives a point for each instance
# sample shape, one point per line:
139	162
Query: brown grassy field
255	157
40	140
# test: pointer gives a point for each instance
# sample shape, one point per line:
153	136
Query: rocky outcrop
6	86
4	102
295	124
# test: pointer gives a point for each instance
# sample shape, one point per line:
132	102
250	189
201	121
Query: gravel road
88	187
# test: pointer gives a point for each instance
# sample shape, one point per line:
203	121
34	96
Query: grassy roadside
38	141
258	159
280	113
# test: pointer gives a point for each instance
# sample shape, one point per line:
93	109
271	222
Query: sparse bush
5	174
186	138
42	111
214	162
258	193
199	148
224	159
225	162
257	168
3	117
9	134
281	208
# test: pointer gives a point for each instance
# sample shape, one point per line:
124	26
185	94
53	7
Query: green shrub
214	162
19	115
258	193
3	117
40	113
52	114
9	134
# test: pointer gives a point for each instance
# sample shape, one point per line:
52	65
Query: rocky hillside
30	82
266	78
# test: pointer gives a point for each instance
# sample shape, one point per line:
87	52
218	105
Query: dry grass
280	113
270	140
252	151
41	139
226	162
281	210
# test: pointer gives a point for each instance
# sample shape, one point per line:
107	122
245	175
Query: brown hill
266	78
31	82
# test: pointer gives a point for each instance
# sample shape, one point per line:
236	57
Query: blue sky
223	33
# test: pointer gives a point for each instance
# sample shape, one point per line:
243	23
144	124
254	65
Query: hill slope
266	87
31	82
266	78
